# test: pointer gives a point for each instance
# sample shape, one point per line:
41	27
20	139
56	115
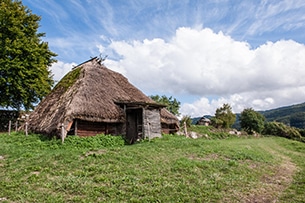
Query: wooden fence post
16	126
62	133
26	124
9	127
185	129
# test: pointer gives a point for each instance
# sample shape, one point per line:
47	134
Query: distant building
203	121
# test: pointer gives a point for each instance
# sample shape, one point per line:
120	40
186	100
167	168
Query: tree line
251	121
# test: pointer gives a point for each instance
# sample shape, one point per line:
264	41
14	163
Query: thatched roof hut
92	99
203	121
169	122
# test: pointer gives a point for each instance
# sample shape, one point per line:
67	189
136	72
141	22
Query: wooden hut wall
152	124
169	128
87	128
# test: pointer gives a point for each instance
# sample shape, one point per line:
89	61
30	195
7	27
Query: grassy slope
171	169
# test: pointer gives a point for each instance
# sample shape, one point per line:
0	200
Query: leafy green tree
251	121
25	77
224	117
172	104
217	123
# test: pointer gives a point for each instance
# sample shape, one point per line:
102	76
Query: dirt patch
208	157
94	153
272	185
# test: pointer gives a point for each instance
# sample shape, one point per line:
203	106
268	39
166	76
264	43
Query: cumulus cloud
202	63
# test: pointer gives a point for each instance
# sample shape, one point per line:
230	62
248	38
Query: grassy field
168	169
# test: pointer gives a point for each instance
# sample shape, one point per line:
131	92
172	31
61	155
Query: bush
282	130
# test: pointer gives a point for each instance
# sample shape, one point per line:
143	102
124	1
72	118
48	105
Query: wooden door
134	123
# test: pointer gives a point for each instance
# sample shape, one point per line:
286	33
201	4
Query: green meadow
168	169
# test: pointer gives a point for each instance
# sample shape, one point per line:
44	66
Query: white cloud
199	62
270	16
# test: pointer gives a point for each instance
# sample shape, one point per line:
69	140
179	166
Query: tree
25	59
251	121
172	104
224	117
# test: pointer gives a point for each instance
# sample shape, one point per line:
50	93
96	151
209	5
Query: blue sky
202	52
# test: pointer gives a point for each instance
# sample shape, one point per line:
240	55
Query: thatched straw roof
168	118
89	92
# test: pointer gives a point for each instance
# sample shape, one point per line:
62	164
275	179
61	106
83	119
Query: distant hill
293	115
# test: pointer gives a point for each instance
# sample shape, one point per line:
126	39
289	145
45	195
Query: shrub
282	130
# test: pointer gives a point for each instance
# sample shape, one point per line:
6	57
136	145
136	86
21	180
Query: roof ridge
94	58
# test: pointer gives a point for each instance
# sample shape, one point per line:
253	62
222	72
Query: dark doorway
134	128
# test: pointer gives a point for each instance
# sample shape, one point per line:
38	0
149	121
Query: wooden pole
185	129
26	128
62	133
9	127
16	126
26	124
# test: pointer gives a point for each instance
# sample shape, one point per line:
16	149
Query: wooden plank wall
152	123
169	128
87	128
